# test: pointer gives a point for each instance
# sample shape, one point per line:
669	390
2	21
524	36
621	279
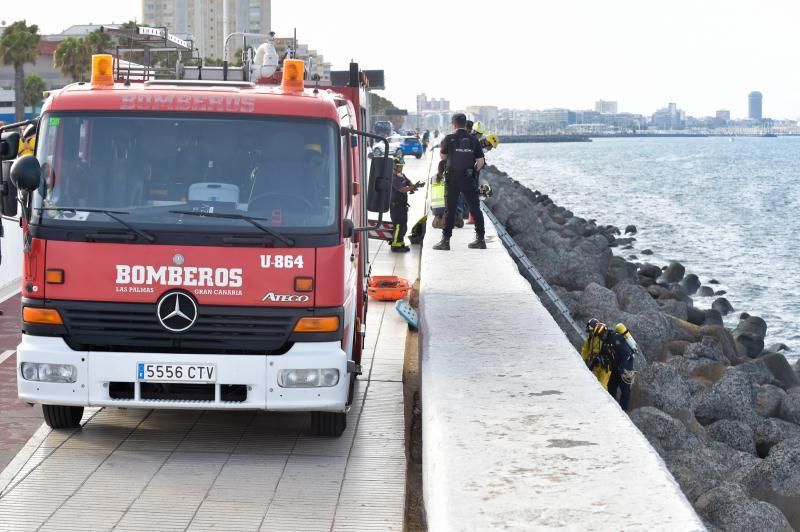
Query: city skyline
707	55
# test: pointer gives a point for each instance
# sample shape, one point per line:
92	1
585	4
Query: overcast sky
703	54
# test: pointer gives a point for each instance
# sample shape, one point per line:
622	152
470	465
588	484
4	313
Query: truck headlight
308	378
43	372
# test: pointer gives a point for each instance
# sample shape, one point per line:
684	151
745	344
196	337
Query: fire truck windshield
281	170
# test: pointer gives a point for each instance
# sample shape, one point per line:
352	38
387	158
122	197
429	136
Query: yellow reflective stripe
396	234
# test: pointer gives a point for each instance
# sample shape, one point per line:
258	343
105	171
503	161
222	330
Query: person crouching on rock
608	355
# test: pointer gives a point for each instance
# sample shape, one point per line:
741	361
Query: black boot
478	243
443	245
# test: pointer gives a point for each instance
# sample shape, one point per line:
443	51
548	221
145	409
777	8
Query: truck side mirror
380	184
8	192
26	174
9	145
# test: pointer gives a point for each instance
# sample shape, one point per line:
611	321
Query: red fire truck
194	244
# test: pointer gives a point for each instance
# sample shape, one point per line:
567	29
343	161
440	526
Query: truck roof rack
200	83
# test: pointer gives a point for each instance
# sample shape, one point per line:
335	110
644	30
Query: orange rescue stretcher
387	287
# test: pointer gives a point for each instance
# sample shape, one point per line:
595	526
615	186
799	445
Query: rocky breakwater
722	410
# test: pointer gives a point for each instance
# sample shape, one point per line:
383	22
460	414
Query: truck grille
93	326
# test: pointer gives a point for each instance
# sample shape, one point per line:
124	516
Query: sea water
727	208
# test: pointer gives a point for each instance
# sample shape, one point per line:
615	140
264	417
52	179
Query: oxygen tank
623	330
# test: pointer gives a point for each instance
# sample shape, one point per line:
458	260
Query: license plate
157	372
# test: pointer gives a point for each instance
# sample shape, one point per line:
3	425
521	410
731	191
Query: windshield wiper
111	214
249	219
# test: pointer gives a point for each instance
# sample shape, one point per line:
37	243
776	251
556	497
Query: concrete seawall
517	433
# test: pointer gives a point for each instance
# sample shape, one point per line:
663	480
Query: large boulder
663	431
634	299
723	336
657	291
620	271
728	507
649	270
757	372
776	480
712	317
767	399
722	305
695	315
735	434
661	386
577	278
709	370
523	221
780	369
598	302
697	469
749	334
652	330
673	273
770	432
708	347
731	397
705	291
691	283
789	409
676	309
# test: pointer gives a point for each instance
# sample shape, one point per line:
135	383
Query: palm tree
19	45
99	41
73	56
34	87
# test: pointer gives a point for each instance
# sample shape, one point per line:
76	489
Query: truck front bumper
96	370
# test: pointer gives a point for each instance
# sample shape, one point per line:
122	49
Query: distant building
202	20
554	117
754	101
433	104
723	115
669	117
606	108
486	114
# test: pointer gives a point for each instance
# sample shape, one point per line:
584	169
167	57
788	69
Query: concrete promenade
182	470
517	433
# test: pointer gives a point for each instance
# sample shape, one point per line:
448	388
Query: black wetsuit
620	358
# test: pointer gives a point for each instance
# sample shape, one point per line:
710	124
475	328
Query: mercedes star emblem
176	311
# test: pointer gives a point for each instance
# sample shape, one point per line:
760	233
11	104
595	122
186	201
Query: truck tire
418	155
328	423
62	417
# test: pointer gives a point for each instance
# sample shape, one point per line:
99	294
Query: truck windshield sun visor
278	174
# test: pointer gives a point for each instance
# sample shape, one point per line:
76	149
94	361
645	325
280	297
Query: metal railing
530	272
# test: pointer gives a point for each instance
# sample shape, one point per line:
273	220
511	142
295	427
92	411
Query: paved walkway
18	421
208	470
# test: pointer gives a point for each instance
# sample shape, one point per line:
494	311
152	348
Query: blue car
412	146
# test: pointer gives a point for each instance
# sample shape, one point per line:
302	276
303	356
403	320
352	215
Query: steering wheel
298	200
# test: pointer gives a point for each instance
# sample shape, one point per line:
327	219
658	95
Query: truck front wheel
328	423
62	417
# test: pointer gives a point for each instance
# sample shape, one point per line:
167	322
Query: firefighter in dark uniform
398	209
464	157
614	355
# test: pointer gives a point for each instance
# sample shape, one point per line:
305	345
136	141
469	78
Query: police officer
398	209
464	157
